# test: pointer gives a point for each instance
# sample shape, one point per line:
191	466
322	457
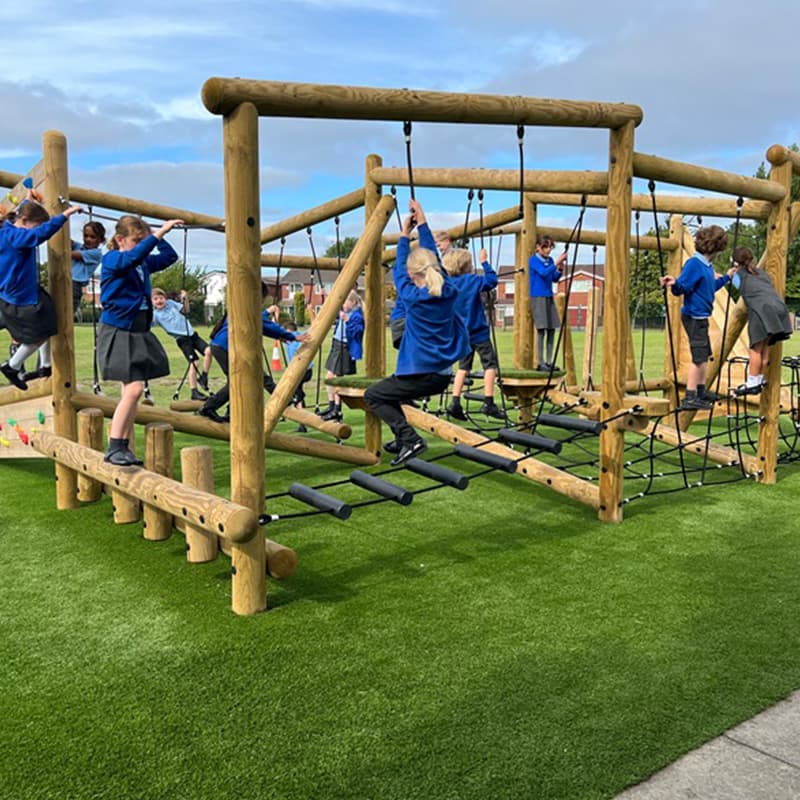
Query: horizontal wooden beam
203	510
592	237
715	180
508	179
36	389
126	205
299	262
328	101
321	213
665	204
493	220
201	426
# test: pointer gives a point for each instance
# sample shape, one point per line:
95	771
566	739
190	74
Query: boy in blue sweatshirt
698	283
458	264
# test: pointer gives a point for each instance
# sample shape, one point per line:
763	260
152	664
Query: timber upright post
243	254
672	345
777	252
615	317
374	297
59	276
523	319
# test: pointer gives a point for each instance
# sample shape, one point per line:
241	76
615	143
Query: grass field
494	643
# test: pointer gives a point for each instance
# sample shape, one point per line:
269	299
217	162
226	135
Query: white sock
23	351
44	354
754	380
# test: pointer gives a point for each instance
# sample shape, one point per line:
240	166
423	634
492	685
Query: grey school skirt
545	314
30	324
134	355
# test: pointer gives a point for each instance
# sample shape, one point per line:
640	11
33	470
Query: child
434	338
291	350
458	264
127	350
767	317
170	315
85	260
26	309
543	273
443	242
698	283
219	349
346	349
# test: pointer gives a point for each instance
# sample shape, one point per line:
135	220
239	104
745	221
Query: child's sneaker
492	410
197	395
202	379
13	376
454	410
696	404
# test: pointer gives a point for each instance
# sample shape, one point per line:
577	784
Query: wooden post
90	434
197	470
673	310
243	249
375	304
523	319
777	252
59	276
566	340
126	508
615	318
158	457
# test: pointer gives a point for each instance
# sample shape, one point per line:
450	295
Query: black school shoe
712	397
743	389
492	410
198	395
13	376
122	458
393	447
696	404
455	411
210	413
409	450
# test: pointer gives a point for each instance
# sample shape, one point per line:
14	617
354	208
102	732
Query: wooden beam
126	205
527	467
682	174
213	514
328	101
490	221
286	261
777	155
321	213
591	237
508	179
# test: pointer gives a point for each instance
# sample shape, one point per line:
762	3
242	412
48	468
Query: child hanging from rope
26	309
219	349
434	338
86	259
698	283
173	318
127	350
346	349
458	265
543	272
767	317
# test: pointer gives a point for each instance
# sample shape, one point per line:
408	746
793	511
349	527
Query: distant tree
646	298
346	246
299	309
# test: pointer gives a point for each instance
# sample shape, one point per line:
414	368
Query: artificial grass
498	642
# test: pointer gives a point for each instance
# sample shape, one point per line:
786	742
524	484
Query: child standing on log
543	273
470	286
127	350
434	338
26	309
767	317
86	259
698	283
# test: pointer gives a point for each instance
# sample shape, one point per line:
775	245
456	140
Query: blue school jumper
83	268
268	328
542	274
469	305
698	283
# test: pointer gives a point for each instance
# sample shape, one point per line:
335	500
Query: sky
717	82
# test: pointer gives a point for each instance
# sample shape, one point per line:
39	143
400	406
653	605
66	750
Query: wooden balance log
302	416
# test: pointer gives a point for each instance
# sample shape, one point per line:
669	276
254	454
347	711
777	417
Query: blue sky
717	82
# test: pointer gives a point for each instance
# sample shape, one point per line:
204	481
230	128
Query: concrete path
757	760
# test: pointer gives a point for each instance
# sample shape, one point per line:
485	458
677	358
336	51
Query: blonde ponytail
424	262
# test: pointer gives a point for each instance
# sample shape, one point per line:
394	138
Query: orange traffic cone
276	356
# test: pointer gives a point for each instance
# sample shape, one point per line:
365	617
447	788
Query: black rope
464	239
521	141
393	190
407	134
322	291
480	212
96	388
592	333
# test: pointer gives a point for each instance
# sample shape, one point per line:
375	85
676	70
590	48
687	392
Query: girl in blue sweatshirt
346	350
127	351
543	273
698	283
434	337
458	264
26	310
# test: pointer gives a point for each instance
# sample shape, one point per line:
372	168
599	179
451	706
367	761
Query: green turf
493	643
